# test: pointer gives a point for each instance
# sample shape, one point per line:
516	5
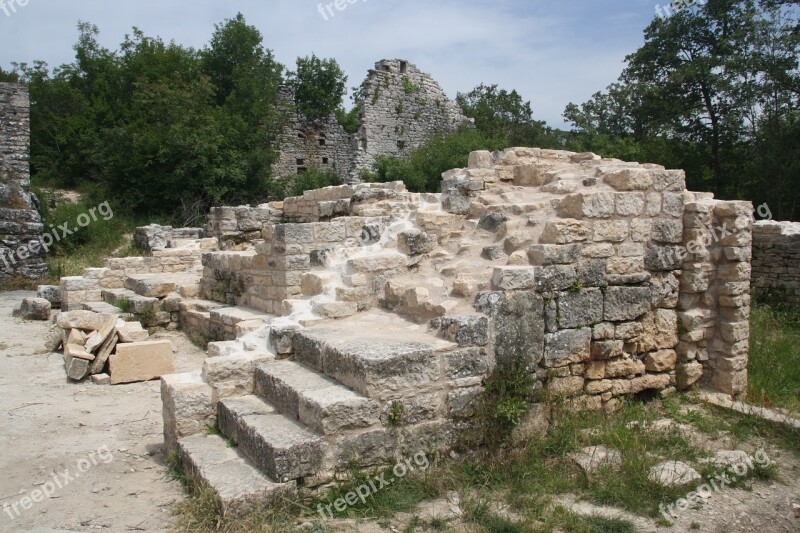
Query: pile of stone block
110	350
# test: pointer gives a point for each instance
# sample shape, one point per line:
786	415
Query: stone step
282	448
203	306
103	308
239	486
230	316
318	401
129	301
160	285
378	354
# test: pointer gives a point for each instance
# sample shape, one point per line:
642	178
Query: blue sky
553	52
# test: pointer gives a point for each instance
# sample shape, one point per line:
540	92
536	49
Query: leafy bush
299	183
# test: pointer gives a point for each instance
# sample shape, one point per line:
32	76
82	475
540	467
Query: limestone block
335	309
554	254
463	330
518	321
77	369
587	205
626	303
233	375
511	278
611	231
555	278
607	349
188	407
85	320
688	374
660	361
668	231
629	204
567	346
380	262
565	387
35	309
416	242
565	231
629	179
141	361
466	363
492	222
620	368
51	293
580	308
481	159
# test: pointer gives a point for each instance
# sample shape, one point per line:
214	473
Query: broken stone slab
35	309
131	332
78	352
53	338
76	337
77	369
104	353
673	474
97	338
724	459
141	361
101	379
594	458
335	309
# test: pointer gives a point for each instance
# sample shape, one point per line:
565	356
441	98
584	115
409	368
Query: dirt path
51	430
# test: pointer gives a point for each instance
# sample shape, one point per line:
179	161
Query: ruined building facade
400	109
20	224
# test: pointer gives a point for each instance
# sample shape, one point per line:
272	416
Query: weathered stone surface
131	332
565	231
555	278
416	242
587	205
335	309
141	361
188	407
35	309
85	320
595	458
660	361
492	222
626	303
688	374
581	308
51	293
97	338
629	179
567	387
567	346
554	254
101	379
466	363
673	474
518	322
511	278
464	330
378	263
77	369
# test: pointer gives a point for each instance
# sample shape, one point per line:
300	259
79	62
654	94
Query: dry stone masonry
776	261
21	228
401	107
356	324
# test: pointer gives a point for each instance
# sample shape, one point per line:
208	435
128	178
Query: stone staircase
363	390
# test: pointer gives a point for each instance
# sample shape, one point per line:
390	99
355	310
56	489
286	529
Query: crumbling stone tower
21	226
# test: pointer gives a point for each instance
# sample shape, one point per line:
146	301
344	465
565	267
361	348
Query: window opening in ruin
325	160
322	141
403	67
401	145
301	136
301	162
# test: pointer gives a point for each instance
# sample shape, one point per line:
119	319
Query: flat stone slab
594	458
160	285
230	412
673	474
141	361
238	484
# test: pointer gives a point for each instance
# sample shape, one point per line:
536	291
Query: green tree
505	117
8	77
319	86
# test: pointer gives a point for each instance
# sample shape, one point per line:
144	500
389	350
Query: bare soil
49	425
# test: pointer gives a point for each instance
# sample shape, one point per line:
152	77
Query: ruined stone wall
776	260
320	145
402	108
20	224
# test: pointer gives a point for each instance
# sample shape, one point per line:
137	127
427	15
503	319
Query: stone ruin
356	324
400	108
21	228
776	261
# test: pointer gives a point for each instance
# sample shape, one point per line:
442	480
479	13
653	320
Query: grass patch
774	364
